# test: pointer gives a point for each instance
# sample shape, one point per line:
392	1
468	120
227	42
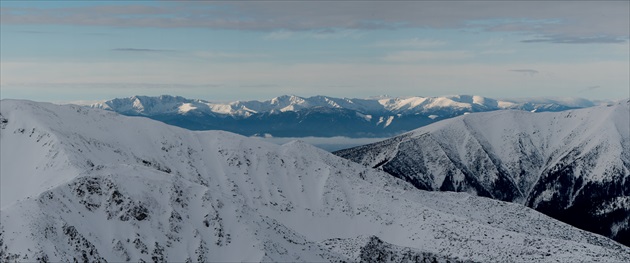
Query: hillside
90	185
572	165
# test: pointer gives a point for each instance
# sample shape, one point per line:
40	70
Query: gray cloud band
530	72
578	40
140	50
573	22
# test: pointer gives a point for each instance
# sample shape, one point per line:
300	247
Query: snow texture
572	165
90	185
293	116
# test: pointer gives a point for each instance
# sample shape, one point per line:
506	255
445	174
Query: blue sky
81	50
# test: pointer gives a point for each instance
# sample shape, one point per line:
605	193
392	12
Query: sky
240	50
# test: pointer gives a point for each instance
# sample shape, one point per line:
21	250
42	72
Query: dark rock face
415	160
582	180
593	206
3	122
375	250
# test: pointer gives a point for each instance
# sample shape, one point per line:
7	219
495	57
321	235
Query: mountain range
572	165
293	116
81	184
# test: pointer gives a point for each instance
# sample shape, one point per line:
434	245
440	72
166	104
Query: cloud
33	32
493	42
591	88
399	79
314	34
80	93
259	86
417	56
578	40
224	55
498	52
334	34
530	72
410	43
148	50
279	35
60	33
567	18
512	25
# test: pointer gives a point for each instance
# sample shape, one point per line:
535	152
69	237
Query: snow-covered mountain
572	165
293	116
82	184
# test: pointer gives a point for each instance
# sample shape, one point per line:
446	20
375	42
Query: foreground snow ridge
572	165
83	184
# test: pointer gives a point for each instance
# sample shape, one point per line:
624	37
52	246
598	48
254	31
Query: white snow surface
519	138
550	135
574	161
87	184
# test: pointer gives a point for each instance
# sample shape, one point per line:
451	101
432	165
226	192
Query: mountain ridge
294	116
147	105
572	165
116	188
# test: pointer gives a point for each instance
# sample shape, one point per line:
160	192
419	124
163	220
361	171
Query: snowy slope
293	116
86	184
572	165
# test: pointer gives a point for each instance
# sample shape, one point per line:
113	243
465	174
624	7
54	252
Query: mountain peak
374	104
295	116
87	184
571	165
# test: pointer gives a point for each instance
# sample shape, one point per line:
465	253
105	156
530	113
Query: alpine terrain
572	165
293	116
81	184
